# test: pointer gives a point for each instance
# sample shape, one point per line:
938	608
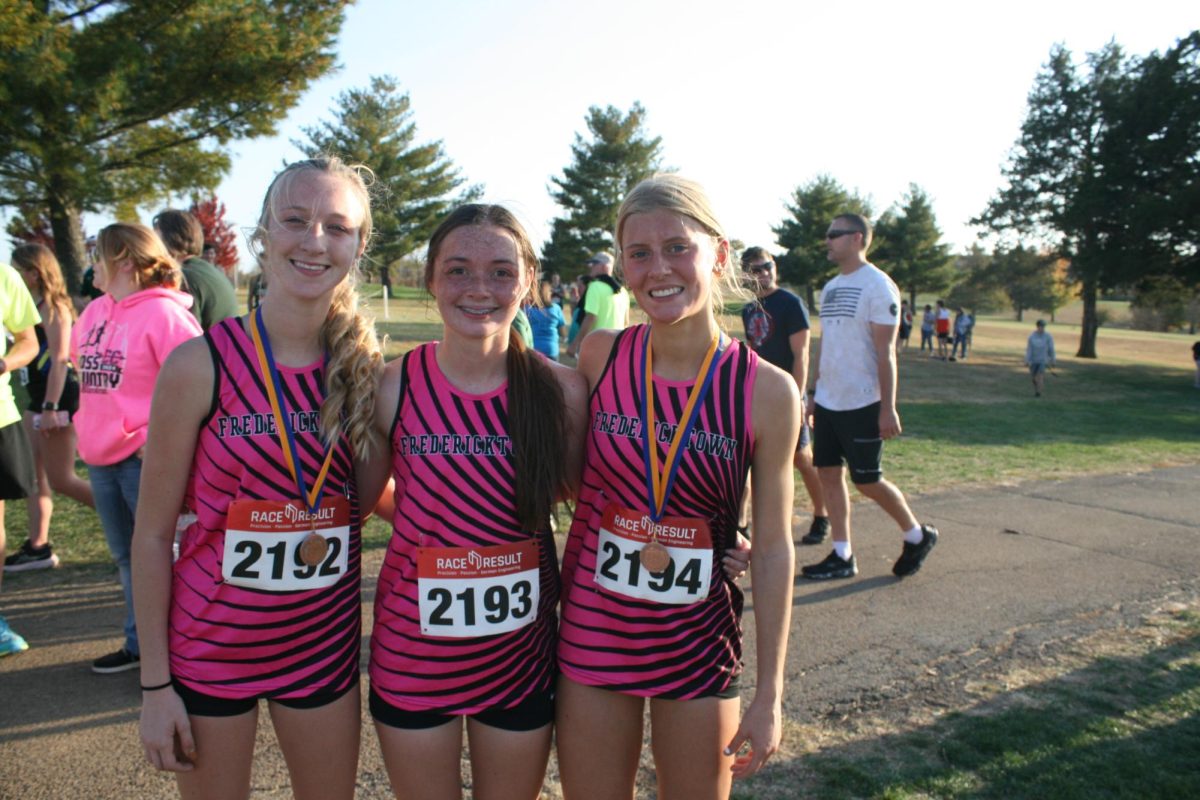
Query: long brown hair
348	334
537	419
40	259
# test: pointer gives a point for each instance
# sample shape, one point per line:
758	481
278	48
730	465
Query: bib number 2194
619	567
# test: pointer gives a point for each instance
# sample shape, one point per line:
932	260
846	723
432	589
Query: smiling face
313	235
669	262
478	280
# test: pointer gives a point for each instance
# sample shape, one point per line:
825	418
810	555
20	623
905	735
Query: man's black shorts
849	437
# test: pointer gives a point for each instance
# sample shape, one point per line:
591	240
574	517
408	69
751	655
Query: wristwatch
48	406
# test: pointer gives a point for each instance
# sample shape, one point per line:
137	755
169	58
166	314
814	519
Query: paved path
1017	567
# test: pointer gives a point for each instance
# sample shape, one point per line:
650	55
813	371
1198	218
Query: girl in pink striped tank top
265	428
485	437
679	413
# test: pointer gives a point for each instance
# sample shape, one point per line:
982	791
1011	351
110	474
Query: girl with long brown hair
53	400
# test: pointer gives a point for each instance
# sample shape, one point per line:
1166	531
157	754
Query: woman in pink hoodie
119	344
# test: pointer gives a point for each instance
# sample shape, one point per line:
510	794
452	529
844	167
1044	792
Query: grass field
1075	729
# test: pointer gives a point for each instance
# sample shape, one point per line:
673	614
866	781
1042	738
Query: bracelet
156	688
48	406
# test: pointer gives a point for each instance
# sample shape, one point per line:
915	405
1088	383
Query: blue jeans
115	488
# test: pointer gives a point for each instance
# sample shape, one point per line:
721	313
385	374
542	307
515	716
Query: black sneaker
119	661
832	567
914	554
817	532
27	558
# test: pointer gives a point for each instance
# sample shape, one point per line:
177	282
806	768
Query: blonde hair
152	264
348	333
687	198
41	259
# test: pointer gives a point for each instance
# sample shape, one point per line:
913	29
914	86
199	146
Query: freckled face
669	263
479	280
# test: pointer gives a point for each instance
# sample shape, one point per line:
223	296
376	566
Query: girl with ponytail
119	346
485	437
264	428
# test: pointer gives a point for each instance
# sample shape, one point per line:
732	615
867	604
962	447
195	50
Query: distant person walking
962	331
856	399
1039	354
906	323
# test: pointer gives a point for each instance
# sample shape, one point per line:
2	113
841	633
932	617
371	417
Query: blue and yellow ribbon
660	481
283	424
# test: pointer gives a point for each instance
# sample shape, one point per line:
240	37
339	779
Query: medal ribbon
283	424
660	482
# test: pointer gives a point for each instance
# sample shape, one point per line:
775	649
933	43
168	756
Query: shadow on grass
1123	727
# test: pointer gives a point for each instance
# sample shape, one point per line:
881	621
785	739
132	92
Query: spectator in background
579	298
941	324
906	323
18	315
120	344
607	303
209	253
1196	358
213	293
558	292
547	321
927	325
1039	355
53	400
256	290
777	328
962	326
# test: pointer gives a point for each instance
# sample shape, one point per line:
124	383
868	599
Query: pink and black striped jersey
455	488
635	645
234	642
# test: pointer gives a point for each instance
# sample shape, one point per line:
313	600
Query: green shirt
610	307
17	312
212	293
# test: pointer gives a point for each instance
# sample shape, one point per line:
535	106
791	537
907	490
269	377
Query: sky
752	98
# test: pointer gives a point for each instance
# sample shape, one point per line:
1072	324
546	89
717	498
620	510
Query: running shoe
28	557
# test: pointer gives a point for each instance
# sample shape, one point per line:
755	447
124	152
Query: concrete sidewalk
1016	567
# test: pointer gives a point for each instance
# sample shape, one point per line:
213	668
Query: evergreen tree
604	167
1105	170
413	182
124	101
802	233
910	247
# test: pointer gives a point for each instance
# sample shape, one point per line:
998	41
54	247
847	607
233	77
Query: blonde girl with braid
264	428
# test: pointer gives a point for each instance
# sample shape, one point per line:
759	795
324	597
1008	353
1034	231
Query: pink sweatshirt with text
119	346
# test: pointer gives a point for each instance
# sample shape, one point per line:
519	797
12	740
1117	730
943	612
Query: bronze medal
654	557
313	549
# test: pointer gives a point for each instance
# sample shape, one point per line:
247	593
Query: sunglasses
759	269
837	233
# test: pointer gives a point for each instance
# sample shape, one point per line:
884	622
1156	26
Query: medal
654	557
313	549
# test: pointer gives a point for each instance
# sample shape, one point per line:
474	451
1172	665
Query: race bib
264	538
477	591
619	567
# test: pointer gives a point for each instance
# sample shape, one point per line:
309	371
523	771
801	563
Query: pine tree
802	233
910	247
604	167
413	182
